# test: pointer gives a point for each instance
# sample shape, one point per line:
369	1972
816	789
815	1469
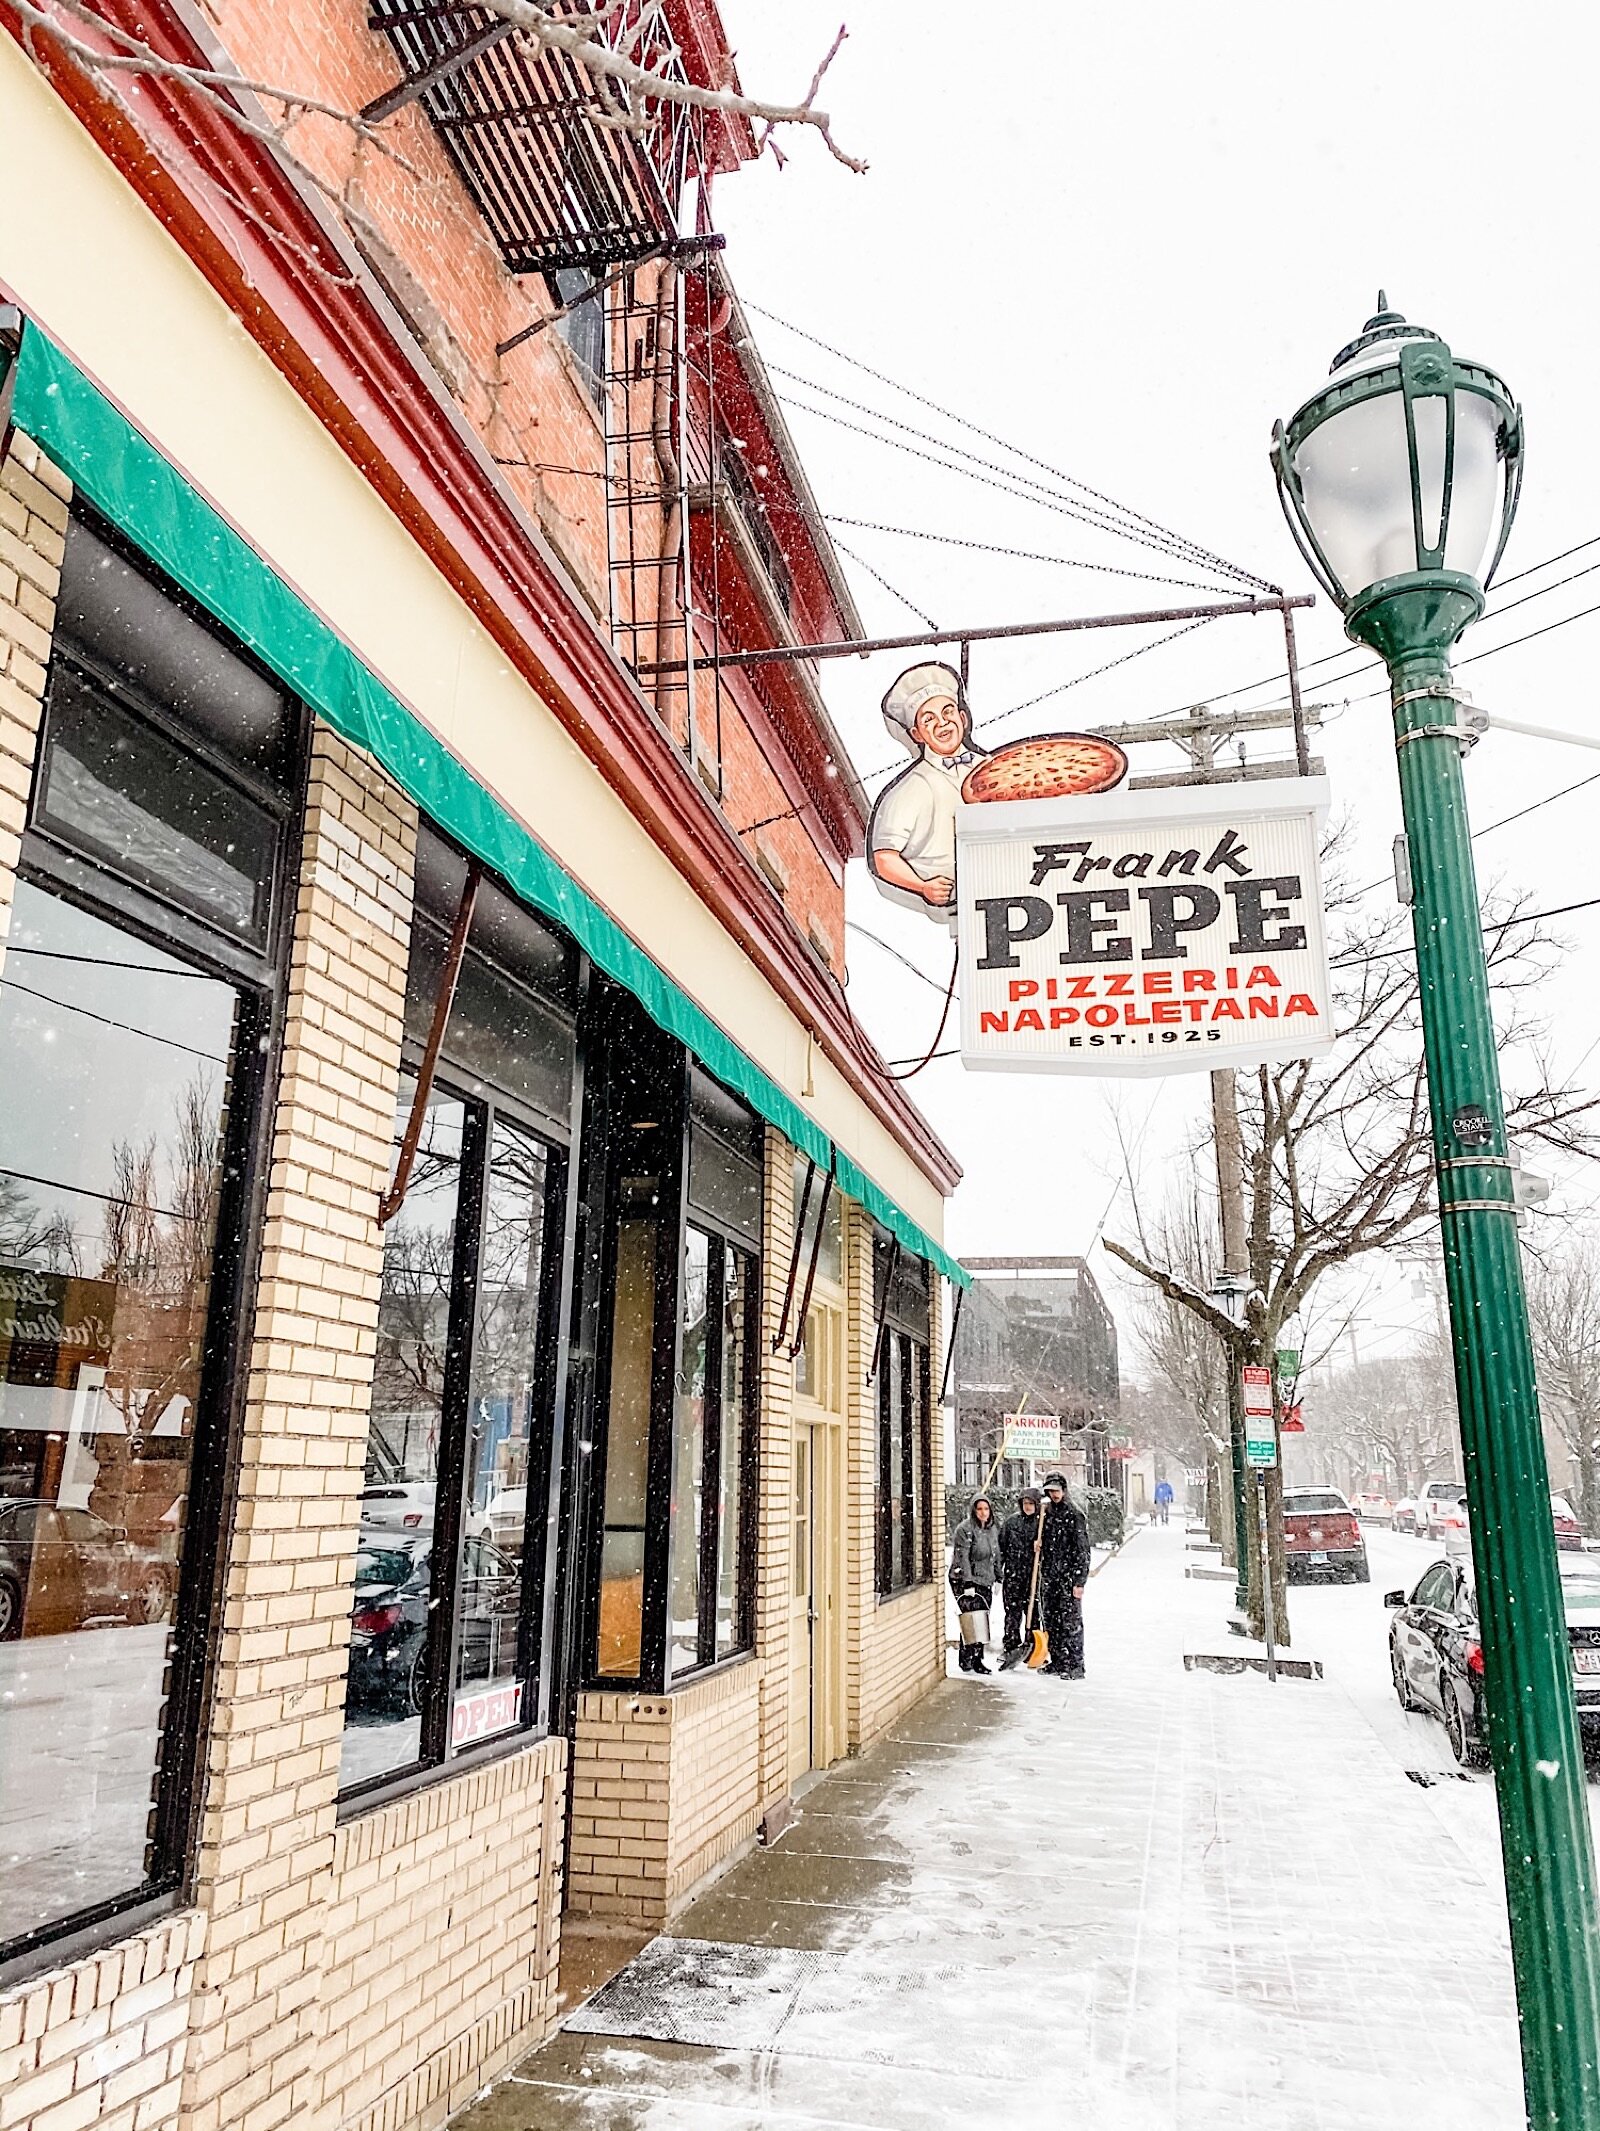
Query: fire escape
580	183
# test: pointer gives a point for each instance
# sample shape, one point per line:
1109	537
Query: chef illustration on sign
911	838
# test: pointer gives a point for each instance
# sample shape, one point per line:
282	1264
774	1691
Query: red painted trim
300	293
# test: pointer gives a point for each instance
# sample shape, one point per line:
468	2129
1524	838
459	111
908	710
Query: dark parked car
1437	1659
62	1569
389	1620
1322	1536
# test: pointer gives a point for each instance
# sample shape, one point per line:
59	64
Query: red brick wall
418	227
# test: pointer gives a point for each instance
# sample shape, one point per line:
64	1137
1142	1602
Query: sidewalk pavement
1150	1901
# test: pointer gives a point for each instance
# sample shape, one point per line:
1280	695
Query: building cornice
286	271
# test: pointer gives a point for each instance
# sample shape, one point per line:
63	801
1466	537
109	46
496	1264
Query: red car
1569	1532
1322	1536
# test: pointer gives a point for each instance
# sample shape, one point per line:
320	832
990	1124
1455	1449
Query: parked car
398	1506
1436	1658
389	1620
1374	1506
507	1515
1434	1503
1321	1536
1403	1517
1454	1529
62	1569
1569	1532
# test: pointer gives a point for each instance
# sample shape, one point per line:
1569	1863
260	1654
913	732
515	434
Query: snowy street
1155	1901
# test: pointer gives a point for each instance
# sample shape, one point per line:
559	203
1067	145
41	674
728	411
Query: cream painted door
817	1634
800	1621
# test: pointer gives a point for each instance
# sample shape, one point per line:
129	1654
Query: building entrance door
817	1631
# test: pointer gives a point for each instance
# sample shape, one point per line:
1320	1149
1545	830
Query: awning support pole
394	1198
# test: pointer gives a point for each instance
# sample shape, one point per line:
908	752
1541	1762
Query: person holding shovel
1064	1559
1017	1537
974	1572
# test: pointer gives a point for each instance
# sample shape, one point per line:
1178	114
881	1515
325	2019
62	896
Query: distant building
1035	1336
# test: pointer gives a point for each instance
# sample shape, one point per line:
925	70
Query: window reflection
501	1442
734	1506
633	1316
389	1621
689	1454
119	1064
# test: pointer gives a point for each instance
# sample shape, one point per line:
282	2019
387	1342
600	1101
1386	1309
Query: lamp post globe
1400	480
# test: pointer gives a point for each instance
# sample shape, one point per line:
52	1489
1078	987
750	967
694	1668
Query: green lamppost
1399	480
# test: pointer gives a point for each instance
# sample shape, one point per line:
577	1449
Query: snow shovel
1039	1653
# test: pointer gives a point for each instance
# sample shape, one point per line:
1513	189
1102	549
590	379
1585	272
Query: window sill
64	1948
909	1590
679	1685
356	1804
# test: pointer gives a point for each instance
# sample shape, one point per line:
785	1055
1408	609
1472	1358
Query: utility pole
1236	1280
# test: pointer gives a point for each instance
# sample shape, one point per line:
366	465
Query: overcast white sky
1126	239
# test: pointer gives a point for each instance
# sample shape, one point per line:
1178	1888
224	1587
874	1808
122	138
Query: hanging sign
1144	932
1293	1422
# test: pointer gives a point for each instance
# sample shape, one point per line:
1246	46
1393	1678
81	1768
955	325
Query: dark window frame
482	1105
708	1539
903	1550
259	978
608	1142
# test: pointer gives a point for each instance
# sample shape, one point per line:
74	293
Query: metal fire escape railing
535	136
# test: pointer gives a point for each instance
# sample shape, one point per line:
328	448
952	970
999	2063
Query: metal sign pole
1266	1577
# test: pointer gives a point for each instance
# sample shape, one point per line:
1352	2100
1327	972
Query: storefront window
118	1063
390	1618
442	1640
677	1519
905	1420
503	1445
134	1019
622	1552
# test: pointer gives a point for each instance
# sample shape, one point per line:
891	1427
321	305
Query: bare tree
1564	1309
1337	1153
622	46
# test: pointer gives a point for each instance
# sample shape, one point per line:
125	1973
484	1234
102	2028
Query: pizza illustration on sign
911	838
1050	766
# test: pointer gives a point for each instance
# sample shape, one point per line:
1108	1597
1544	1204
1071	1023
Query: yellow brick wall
34	496
103	2041
442	1941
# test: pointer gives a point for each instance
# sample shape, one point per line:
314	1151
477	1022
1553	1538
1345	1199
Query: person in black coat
975	1570
1017	1537
1064	1559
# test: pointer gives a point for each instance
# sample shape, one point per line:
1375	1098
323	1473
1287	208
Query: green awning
149	501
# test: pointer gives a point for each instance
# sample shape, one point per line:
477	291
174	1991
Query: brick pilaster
34	496
266	1844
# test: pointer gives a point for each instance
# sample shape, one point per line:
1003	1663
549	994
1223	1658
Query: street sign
1257	1392
1145	932
1260	1450
1034	1435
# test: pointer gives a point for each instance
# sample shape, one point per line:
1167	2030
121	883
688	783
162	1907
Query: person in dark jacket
1064	1559
1017	1537
975	1570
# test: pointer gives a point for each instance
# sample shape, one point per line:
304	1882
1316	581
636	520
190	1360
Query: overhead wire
1024	484
893	590
1029	458
990	547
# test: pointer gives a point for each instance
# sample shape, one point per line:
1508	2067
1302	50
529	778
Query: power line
893	590
1028	458
990	547
1024	484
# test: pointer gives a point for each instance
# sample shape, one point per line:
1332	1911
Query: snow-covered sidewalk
1154	1900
